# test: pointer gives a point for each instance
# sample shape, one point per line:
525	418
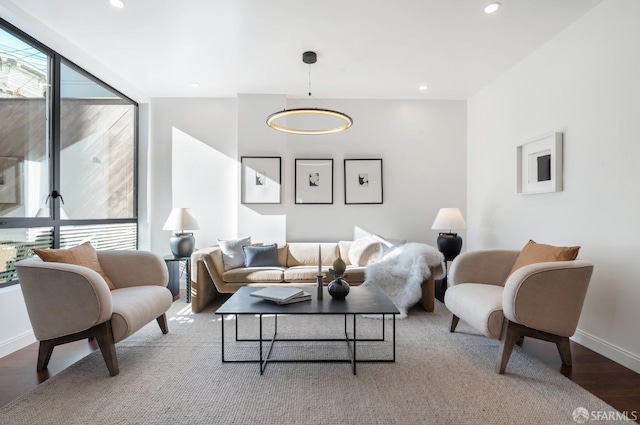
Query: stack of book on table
282	295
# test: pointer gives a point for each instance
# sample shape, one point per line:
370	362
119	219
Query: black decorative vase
449	244
182	244
338	288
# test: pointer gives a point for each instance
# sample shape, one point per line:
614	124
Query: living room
582	81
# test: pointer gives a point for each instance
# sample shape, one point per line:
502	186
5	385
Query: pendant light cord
309	80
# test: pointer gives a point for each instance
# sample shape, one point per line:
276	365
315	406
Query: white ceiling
366	48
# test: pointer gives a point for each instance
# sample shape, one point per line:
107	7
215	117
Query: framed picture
261	180
540	165
363	181
9	182
314	181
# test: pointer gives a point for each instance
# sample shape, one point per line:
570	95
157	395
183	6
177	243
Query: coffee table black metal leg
222	327
355	338
394	338
260	363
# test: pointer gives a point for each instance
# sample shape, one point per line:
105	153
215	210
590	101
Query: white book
277	293
305	296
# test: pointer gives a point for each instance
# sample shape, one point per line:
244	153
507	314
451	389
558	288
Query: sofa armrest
547	296
207	268
489	266
62	299
128	268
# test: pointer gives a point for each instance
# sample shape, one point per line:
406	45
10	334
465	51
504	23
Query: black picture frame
313	181
363	181
261	179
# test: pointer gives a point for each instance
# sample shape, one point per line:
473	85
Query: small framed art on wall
540	165
314	181
261	177
363	181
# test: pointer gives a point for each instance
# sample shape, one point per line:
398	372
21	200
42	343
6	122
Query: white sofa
298	264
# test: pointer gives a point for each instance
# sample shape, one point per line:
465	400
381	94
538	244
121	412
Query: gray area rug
438	378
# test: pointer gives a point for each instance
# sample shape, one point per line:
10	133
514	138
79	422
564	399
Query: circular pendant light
345	121
312	112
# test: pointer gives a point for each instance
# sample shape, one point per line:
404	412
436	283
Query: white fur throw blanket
400	273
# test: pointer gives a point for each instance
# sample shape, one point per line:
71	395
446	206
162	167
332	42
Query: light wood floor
611	382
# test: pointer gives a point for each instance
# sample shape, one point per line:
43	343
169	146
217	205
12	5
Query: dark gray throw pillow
260	256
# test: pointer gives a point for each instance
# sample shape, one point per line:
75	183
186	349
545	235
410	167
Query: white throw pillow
365	251
232	255
388	244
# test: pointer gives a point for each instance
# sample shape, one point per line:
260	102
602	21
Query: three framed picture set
261	180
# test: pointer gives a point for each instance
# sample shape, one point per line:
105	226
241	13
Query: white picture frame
261	179
363	181
540	164
314	181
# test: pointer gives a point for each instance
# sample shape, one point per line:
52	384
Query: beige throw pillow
82	255
365	251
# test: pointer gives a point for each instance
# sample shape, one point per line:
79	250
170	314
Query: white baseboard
16	343
613	352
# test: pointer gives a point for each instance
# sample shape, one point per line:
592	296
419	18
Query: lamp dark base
449	244
182	244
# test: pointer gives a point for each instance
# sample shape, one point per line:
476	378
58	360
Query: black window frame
54	221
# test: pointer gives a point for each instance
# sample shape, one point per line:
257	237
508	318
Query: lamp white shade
180	220
449	219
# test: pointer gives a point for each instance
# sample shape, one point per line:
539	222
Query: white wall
15	332
422	144
192	164
585	83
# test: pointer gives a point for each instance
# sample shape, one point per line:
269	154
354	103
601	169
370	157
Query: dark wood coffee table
361	300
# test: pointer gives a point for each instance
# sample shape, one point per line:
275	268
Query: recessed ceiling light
422	87
117	3
492	7
195	85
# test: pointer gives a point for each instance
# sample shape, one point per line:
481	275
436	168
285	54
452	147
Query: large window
67	155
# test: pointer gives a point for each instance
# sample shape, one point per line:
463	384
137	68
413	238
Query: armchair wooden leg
162	321
513	332
509	337
44	354
454	322
104	335
564	348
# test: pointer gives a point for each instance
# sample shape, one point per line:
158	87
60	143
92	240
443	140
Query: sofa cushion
533	253
283	251
306	274
232	255
254	274
82	255
260	256
365	251
344	247
306	253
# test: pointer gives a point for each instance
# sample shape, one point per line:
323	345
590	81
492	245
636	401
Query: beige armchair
542	300
67	302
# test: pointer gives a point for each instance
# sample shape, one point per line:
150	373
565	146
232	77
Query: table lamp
181	221
449	243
